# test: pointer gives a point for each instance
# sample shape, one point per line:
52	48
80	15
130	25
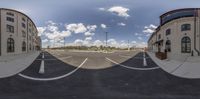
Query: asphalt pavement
74	75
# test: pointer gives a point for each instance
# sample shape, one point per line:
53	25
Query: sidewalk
11	65
189	67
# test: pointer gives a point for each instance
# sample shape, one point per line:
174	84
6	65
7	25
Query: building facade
18	33
178	34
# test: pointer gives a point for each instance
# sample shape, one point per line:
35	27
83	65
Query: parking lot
96	75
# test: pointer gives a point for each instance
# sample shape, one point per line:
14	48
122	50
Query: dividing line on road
134	68
54	78
47	59
144	59
41	71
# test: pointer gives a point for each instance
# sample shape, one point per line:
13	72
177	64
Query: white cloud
103	26
120	11
91	28
52	33
78	42
141	44
121	24
102	9
140	38
88	38
76	28
112	42
45	41
134	42
89	34
149	29
137	34
97	43
41	30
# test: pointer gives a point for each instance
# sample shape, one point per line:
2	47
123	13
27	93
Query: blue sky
80	21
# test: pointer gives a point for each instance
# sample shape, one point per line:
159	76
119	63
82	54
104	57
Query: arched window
23	46
185	45
10	45
168	46
185	27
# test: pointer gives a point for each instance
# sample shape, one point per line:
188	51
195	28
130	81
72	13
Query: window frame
186	45
168	46
168	32
10	45
10	28
186	27
10	19
23	46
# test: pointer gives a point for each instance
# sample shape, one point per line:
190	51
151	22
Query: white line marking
46	59
54	78
41	71
134	68
144	59
43	55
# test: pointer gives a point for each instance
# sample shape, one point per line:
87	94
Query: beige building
178	34
18	33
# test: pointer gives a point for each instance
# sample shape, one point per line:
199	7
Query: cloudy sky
84	22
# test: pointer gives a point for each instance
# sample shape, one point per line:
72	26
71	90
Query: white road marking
134	68
144	59
41	71
46	59
54	78
43	55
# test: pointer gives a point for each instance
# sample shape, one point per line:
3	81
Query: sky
85	22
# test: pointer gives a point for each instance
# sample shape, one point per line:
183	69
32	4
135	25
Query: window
168	46
10	28
30	24
9	13
29	46
10	45
185	45
159	36
30	30
185	27
23	46
29	37
168	32
10	19
23	33
23	25
23	19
